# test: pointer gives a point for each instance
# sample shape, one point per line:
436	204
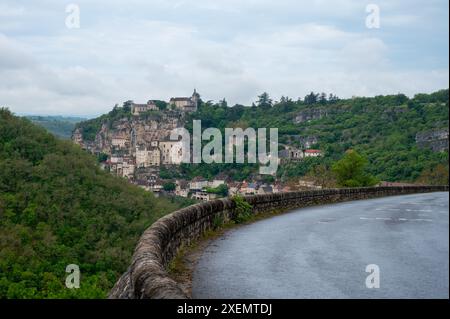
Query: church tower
195	98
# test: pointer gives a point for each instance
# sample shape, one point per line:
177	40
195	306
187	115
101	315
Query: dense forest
382	129
57	207
60	126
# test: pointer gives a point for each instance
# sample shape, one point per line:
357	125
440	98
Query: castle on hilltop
186	104
137	109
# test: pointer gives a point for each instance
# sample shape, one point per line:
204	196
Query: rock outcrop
437	140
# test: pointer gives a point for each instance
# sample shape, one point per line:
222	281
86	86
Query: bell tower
195	98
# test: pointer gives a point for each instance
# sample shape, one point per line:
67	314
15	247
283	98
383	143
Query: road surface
323	251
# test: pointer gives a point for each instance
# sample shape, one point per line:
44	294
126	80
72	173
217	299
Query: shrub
217	222
243	210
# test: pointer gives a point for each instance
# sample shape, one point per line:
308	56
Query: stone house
198	183
128	168
186	104
203	196
182	188
312	153
216	183
119	142
137	109
171	152
147	156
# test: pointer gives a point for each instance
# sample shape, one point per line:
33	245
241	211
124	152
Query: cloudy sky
156	49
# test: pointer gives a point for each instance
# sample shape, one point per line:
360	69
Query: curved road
323	251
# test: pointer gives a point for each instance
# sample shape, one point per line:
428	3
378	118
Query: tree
286	104
434	176
350	171
264	101
57	207
311	98
102	157
332	98
323	98
285	99
223	103
322	176
162	105
221	190
169	187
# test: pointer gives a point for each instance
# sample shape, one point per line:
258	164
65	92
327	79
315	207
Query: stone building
182	188
203	196
171	152
186	104
148	156
119	142
290	153
137	109
198	183
312	153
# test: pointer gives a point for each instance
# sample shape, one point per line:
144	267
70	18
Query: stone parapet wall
147	277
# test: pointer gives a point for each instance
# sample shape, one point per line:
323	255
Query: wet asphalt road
323	251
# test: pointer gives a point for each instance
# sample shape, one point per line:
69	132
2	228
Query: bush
217	222
243	210
350	171
169	187
221	190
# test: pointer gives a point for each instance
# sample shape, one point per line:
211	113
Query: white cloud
232	49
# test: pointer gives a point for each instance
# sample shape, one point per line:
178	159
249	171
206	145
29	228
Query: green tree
221	190
223	103
323	98
264	101
322	176
169	187
311	98
434	176
57	207
351	171
242	211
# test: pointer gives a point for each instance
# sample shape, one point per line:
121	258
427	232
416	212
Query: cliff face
319	112
310	114
123	135
437	139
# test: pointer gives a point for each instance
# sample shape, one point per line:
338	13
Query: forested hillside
59	125
384	129
381	128
58	208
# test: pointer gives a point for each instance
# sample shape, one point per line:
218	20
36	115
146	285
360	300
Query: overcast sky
236	49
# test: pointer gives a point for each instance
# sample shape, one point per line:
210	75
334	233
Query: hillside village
132	141
137	147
